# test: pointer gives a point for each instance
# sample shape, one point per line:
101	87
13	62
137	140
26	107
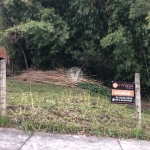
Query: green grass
56	109
5	121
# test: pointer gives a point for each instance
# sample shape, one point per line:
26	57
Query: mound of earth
57	77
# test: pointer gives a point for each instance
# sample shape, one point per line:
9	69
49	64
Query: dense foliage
109	38
35	32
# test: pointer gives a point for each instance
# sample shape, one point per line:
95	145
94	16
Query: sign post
126	92
122	92
138	99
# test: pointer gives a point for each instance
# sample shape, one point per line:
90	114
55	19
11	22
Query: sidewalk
11	139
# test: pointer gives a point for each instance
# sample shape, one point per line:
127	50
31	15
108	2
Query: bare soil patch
57	77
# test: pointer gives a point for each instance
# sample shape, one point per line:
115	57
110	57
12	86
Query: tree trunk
25	58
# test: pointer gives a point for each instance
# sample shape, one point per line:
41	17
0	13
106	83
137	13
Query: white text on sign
123	92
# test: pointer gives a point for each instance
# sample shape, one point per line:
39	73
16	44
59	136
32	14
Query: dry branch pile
57	77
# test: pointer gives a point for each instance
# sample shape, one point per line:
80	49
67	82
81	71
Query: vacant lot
60	109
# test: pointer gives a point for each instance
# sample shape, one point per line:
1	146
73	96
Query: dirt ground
57	77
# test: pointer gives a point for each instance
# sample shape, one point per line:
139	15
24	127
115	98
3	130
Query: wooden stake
138	99
3	86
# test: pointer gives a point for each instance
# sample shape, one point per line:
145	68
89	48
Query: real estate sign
122	92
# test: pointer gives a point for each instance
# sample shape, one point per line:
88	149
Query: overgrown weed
58	109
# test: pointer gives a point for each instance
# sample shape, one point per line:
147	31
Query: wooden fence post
138	99
3	86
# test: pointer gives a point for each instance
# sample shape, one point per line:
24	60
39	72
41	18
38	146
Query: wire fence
145	89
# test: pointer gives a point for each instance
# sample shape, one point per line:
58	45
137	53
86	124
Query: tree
38	31
106	37
88	24
128	38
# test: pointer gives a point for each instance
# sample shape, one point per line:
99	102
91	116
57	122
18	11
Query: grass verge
56	109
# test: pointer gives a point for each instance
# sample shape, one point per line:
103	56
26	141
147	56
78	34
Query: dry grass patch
50	108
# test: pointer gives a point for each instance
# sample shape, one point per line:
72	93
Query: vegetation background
107	38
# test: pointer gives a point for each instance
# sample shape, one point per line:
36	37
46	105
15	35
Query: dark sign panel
122	92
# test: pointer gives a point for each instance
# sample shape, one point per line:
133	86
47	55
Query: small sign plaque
122	92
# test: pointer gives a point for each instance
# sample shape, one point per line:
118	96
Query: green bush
95	88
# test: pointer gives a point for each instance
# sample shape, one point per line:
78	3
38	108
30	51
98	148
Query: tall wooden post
3	86
138	99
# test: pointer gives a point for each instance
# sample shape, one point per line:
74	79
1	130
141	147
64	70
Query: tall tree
88	24
39	33
128	38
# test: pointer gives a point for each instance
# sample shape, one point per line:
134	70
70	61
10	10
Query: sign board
122	92
2	52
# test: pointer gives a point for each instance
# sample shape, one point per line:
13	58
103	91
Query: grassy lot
56	109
